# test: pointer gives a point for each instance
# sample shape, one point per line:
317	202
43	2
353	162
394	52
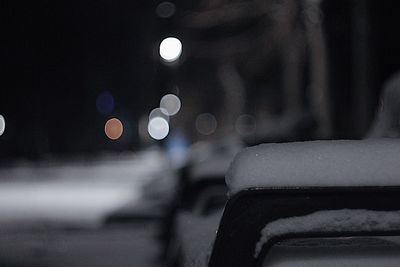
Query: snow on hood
330	221
373	162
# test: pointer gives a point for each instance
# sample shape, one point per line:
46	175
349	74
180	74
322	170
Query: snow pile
373	162
330	221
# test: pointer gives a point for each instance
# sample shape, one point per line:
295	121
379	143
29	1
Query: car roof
372	162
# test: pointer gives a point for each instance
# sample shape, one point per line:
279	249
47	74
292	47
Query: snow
104	247
196	234
332	252
72	203
373	162
330	221
73	193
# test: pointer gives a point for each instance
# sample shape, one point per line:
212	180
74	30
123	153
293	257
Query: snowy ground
51	214
135	246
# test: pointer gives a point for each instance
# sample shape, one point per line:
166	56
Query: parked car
199	200
317	189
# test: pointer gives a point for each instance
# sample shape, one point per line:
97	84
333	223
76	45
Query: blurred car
200	198
155	193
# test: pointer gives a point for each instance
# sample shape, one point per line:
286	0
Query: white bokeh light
165	9
170	49
159	112
158	128
206	123
245	125
170	104
2	125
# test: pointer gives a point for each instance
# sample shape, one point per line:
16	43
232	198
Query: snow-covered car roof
373	162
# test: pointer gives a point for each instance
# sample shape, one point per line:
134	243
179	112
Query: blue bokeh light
105	103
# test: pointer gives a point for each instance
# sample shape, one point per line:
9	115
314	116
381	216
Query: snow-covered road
74	193
52	213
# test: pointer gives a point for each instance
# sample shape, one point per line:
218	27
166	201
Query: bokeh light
158	128
159	112
113	128
245	125
170	104
105	103
165	9
170	49
2	125
206	123
177	147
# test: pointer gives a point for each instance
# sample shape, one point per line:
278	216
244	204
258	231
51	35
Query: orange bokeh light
113	128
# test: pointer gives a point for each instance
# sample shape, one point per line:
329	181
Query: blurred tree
270	62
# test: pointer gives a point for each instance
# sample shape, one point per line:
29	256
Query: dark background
58	56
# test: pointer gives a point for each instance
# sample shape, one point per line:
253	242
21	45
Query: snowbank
331	221
373	162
